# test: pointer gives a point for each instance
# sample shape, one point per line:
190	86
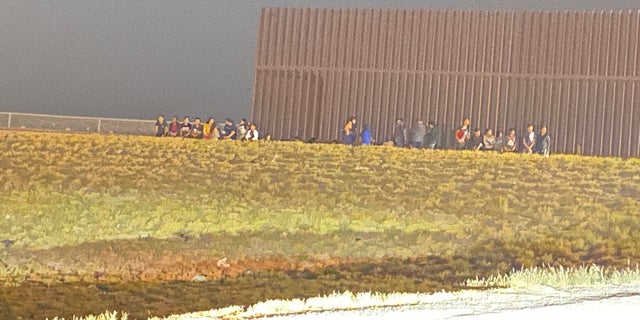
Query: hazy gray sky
138	58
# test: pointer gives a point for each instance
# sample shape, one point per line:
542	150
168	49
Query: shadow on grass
34	300
151	277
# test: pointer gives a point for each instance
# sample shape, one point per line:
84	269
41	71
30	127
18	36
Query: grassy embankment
309	203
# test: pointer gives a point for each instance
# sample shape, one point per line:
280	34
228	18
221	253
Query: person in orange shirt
348	134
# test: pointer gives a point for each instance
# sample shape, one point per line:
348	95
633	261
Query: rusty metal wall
576	72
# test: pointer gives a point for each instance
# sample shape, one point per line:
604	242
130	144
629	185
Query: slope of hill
124	210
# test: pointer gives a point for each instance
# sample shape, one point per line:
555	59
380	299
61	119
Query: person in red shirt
463	134
174	128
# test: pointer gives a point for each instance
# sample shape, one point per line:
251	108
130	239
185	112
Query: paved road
613	302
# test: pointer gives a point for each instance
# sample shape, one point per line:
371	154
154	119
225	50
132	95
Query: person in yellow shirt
210	130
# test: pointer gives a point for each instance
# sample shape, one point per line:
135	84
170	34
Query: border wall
576	72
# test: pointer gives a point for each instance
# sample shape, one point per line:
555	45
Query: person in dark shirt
432	138
475	142
161	127
185	127
196	129
499	141
174	127
400	134
230	130
544	142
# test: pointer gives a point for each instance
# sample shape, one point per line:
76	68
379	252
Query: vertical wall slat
366	35
634	137
431	49
494	34
632	127
636	52
301	37
313	45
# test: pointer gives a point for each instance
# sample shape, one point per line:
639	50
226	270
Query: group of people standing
208	130
422	136
428	136
530	142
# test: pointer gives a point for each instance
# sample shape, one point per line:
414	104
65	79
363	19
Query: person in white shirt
529	140
242	129
488	141
252	133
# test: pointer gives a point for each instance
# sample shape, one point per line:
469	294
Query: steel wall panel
576	72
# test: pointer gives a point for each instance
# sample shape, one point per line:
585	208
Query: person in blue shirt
230	130
365	136
161	127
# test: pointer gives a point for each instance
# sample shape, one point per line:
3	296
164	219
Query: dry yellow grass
65	189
